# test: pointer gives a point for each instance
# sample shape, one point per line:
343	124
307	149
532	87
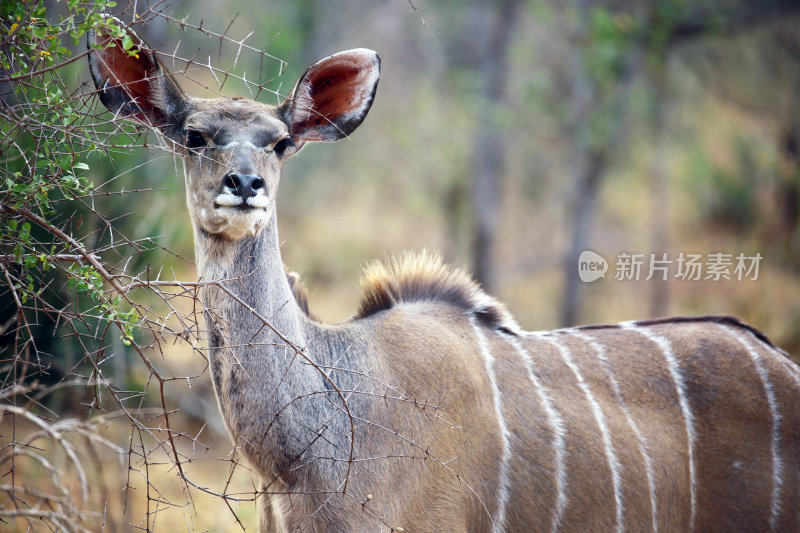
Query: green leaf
25	232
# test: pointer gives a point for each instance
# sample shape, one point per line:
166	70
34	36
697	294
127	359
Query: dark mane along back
716	319
421	276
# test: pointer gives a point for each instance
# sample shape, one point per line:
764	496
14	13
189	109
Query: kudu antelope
431	410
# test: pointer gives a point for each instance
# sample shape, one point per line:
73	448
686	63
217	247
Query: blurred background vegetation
509	135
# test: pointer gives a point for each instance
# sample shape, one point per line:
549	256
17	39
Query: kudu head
233	149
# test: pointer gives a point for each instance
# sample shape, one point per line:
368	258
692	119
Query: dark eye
281	146
194	139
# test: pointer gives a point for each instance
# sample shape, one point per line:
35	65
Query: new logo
591	266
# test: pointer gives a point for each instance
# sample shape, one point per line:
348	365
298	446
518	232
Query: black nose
243	185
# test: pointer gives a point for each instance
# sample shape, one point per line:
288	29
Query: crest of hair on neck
422	276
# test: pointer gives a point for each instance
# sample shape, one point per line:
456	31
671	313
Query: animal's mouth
240	207
232	201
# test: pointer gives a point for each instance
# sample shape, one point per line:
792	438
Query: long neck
253	280
262	347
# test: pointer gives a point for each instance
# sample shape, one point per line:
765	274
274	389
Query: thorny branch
104	381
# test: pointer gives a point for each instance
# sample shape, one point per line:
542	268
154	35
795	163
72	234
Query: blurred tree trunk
789	189
591	99
585	169
659	190
493	29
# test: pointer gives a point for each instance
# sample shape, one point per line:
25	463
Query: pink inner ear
124	70
334	91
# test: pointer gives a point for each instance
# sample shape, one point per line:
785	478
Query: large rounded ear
132	84
332	97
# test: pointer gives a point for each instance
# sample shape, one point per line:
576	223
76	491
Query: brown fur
421	276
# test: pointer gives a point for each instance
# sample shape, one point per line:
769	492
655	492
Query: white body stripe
613	463
556	423
648	462
777	462
683	403
498	522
